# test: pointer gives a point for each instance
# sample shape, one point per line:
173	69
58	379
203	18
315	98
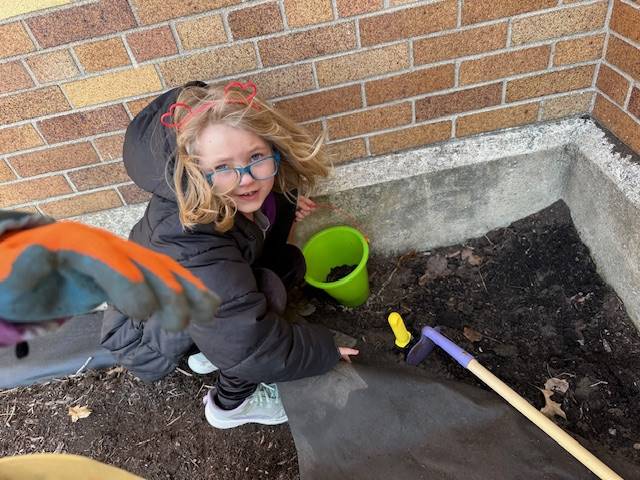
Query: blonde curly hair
304	159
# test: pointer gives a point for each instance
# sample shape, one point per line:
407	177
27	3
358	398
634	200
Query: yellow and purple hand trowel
418	351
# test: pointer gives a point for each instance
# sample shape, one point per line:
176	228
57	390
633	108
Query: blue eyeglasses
226	178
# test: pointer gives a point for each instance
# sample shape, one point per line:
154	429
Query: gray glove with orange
51	271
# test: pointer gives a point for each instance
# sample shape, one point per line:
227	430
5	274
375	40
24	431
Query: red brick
18	138
255	21
31	190
460	44
13	76
550	83
54	159
320	104
32	104
409	22
99	176
81	204
150	44
496	119
436	106
79	23
316	42
110	148
579	50
620	123
14	40
625	20
342	152
475	11
624	56
379	118
5	172
84	124
506	64
348	8
634	102
613	84
410	138
155	11
102	55
410	84
133	194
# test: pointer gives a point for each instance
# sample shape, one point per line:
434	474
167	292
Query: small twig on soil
599	383
184	372
386	282
284	462
175	420
84	365
143	442
483	284
10	414
4	392
489	240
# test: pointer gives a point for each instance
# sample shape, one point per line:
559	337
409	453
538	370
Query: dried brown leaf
471	334
76	413
471	258
551	408
114	370
557	385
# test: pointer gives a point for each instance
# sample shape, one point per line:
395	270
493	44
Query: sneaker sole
197	367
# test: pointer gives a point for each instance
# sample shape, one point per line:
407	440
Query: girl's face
221	146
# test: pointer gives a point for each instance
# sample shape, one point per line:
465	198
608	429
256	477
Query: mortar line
358	38
459	14
447	90
283	14
227	28
622	73
66	196
552	54
62	144
26	66
135	13
78	63
625	39
363	95
334	9
411	61
124	203
11	167
314	73
47	10
176	36
456	74
127	47
454	116
509	32
258	57
634	5
627	98
31	36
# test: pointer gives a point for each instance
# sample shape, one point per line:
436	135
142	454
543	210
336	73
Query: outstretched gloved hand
51	271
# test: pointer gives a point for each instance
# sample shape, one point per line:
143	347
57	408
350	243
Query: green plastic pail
334	247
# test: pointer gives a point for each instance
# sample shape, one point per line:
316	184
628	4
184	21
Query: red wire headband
167	117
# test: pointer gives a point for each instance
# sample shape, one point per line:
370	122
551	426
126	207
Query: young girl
225	170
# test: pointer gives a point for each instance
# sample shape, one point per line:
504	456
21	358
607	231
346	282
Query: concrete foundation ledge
446	193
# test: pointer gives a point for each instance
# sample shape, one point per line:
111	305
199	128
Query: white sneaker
198	363
263	406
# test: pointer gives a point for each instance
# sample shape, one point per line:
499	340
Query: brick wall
617	105
378	75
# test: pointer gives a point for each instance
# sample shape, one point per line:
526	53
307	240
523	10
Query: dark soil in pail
339	272
525	300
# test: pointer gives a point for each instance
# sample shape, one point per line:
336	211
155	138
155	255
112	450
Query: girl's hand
304	207
346	351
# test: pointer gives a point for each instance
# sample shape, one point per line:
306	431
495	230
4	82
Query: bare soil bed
525	300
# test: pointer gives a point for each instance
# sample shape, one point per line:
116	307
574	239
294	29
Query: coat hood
149	147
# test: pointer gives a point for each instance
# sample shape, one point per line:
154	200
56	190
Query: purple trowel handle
460	355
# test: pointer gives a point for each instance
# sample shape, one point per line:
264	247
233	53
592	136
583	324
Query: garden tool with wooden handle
431	337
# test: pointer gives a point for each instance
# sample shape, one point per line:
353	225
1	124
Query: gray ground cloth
367	422
56	354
